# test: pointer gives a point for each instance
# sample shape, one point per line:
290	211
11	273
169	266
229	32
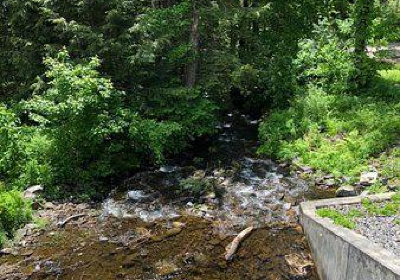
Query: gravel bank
382	230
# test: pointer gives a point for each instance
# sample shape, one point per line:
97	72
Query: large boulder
33	192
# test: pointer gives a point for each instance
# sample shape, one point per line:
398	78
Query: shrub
83	115
14	213
333	133
96	131
23	152
326	59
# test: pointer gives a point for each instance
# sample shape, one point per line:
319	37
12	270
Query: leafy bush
14	213
333	133
23	153
326	60
94	131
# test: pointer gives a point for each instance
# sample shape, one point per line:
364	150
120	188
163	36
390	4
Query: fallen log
67	220
234	245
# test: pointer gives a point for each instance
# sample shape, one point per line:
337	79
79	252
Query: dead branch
67	220
234	245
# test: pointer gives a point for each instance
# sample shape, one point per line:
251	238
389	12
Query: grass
339	134
337	217
386	209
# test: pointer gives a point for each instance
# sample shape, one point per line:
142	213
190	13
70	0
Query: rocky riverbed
176	222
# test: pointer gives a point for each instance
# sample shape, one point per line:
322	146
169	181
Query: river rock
368	178
199	175
8	251
33	192
345	191
178	225
200	259
287	206
139	196
165	268
103	239
330	183
168	168
273	206
49	206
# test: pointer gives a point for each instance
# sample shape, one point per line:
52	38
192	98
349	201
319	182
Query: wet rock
291	215
273	206
103	239
49	206
140	196
164	268
173	232
167	169
282	168
287	206
299	265
368	178
8	251
290	199
178	225
130	261
200	259
223	264
33	192
345	191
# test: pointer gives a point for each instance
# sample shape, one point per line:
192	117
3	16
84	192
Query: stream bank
175	222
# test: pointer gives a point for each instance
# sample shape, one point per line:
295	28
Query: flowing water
157	226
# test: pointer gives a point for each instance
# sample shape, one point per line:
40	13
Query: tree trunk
191	72
364	8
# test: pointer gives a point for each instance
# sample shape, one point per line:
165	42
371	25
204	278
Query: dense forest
93	91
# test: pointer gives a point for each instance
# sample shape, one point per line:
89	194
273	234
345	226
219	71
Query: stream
175	222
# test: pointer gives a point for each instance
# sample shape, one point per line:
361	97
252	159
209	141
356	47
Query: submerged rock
164	268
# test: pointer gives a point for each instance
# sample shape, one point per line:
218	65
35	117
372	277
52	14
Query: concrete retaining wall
342	254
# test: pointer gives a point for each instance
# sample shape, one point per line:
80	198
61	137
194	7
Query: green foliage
333	133
326	59
196	186
369	207
93	132
14	213
23	153
387	209
337	217
385	28
84	115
